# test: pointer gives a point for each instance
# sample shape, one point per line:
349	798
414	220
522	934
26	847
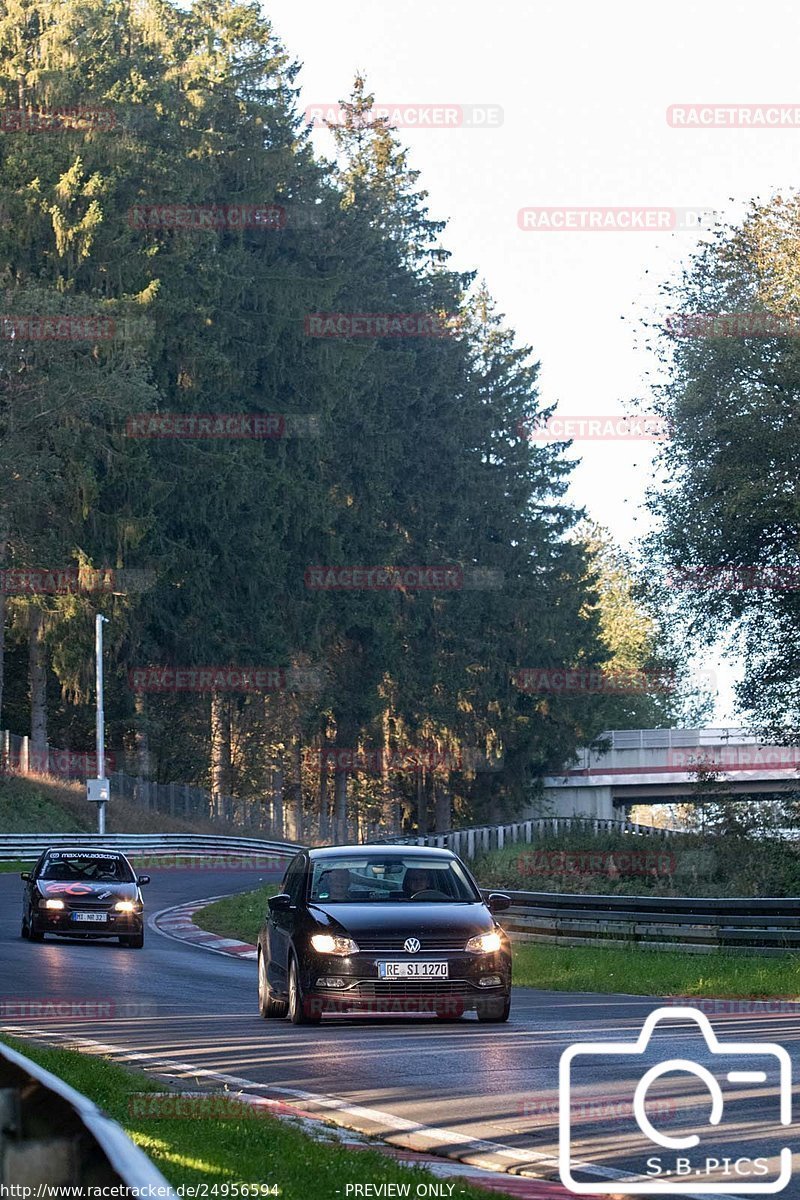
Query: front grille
376	988
389	944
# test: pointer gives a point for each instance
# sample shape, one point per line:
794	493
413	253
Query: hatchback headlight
51	903
126	906
326	943
484	943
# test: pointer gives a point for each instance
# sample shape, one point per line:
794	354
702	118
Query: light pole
100	725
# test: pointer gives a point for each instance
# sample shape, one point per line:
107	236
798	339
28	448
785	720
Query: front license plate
413	970
89	916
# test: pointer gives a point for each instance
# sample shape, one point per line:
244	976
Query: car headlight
52	903
484	943
127	906
327	943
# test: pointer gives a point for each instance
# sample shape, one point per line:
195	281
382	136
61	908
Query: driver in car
417	879
335	884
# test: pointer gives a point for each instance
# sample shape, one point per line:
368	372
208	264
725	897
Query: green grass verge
644	972
10	868
237	916
231	1150
636	970
28	806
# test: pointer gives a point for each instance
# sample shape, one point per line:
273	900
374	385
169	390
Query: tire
30	932
298	1013
134	941
495	1009
268	1006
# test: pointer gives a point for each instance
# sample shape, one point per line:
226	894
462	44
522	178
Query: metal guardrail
28	846
695	924
466	843
51	1134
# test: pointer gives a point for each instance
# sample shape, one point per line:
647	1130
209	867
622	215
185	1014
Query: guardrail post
501	837
24	755
5	749
471	843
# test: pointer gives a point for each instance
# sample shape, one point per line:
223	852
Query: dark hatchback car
86	893
391	929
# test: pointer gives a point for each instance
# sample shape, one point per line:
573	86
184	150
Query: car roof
393	851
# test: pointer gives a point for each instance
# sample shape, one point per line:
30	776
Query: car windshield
359	880
97	868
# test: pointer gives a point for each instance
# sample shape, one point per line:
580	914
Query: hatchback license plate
413	970
90	916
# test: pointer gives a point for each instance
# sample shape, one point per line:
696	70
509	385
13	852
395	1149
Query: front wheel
30	932
300	1012
494	1008
134	941
268	1006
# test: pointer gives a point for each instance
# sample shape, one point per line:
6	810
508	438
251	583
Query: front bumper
363	990
60	921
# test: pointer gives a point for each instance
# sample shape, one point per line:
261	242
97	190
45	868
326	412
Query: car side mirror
498	902
25	875
143	879
280	903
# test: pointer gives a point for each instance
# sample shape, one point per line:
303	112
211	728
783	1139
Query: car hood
82	889
410	918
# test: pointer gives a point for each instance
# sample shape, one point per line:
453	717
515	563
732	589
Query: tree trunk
340	807
324	815
37	662
3	545
294	831
220	751
141	736
277	802
422	803
442	806
388	806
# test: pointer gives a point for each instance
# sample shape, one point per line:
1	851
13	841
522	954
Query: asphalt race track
185	1007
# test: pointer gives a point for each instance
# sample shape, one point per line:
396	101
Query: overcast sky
584	91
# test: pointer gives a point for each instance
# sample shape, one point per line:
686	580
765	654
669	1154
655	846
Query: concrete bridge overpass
652	766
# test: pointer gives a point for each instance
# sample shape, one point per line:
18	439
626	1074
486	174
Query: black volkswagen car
390	929
83	892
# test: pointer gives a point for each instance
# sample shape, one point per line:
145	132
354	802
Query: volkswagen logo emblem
411	946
